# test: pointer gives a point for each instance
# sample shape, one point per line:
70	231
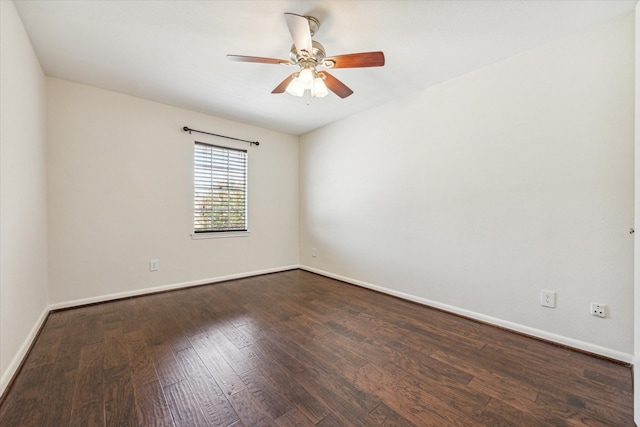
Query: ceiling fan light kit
307	80
308	55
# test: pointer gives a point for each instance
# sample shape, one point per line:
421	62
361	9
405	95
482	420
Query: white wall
23	206
477	193
120	188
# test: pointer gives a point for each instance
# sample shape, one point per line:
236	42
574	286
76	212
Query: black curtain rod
186	129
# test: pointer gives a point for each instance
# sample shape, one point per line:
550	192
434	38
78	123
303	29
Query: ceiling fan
309	55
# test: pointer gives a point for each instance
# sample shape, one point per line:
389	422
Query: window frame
222	164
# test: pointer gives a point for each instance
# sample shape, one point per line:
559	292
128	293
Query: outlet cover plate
548	298
599	310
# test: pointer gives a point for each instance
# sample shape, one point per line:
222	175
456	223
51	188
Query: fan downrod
314	25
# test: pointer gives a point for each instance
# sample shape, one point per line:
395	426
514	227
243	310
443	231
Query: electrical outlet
153	265
548	299
599	310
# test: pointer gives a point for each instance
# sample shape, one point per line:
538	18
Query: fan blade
283	86
336	86
356	60
242	58
300	33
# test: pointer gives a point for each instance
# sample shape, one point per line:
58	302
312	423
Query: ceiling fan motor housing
317	55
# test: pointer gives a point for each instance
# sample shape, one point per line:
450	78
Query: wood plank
119	397
417	406
152	408
235	336
162	326
116	348
487	380
331	420
212	400
302	347
249	412
499	413
293	418
240	354
609	381
129	313
142	367
346	400
265	395
417	362
20	412
225	376
184	407
369	349
387	417
88	401
276	366
577	411
456	396
167	367
62	387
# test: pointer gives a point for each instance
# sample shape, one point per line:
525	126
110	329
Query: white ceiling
174	51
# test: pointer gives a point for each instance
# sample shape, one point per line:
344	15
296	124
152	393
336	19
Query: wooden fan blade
336	86
300	33
242	58
356	60
283	86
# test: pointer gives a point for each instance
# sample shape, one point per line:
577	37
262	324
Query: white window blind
220	189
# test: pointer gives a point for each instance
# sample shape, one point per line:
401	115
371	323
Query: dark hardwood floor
298	349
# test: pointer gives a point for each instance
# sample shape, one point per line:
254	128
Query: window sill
223	235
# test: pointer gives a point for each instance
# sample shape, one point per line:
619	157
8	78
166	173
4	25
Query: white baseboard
559	339
139	292
22	352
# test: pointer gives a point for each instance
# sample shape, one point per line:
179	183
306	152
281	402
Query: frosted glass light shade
295	88
306	78
319	88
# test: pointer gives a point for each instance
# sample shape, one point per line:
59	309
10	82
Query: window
220	189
